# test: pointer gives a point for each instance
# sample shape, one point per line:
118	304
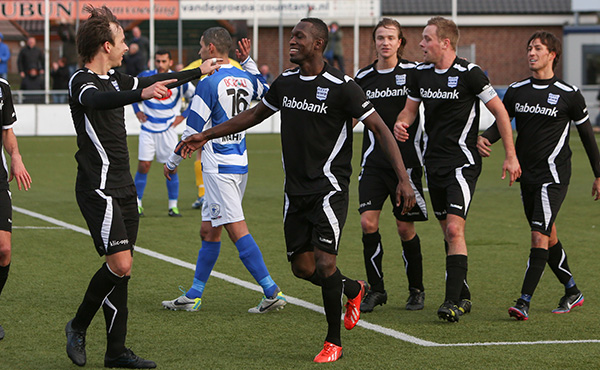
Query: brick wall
500	51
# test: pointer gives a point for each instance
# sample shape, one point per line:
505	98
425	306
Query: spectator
264	71
30	58
66	32
134	61
4	57
33	80
143	44
60	79
335	49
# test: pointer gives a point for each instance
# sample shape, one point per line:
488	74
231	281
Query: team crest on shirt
400	80
452	81
553	98
115	84
322	92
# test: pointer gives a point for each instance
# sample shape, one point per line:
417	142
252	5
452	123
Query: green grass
52	267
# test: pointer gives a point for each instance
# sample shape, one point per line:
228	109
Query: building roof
475	7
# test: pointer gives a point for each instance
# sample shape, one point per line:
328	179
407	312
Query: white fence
55	120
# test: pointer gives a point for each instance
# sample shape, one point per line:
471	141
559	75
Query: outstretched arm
241	122
384	137
182	77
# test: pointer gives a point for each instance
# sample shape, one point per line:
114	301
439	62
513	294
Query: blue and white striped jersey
160	113
219	97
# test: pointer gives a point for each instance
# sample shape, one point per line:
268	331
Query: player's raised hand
484	146
400	131
157	90
243	50
209	66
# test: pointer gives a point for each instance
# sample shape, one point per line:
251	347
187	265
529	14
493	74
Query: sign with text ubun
193	9
67	9
271	9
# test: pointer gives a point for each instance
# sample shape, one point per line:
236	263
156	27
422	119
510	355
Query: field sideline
52	265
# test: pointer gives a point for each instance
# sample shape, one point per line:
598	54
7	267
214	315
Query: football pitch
53	260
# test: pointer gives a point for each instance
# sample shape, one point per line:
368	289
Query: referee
317	103
450	89
104	188
543	107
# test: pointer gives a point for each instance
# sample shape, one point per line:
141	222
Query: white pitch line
299	302
40	227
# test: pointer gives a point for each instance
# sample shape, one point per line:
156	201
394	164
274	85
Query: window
591	64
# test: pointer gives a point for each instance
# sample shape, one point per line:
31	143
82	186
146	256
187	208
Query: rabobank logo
304	105
535	109
387	93
439	94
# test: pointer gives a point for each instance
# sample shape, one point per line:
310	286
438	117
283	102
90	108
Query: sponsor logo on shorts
457	206
537	223
365	204
10	220
114	243
326	241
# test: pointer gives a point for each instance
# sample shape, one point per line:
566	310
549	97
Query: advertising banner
19	10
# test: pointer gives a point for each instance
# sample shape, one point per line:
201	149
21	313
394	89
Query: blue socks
253	260
207	257
140	183
172	187
250	255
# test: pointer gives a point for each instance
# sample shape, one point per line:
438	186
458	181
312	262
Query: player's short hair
550	41
163	52
95	32
320	30
446	29
219	37
392	23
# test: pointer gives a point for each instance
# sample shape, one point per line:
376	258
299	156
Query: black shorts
541	203
314	221
376	184
451	189
112	218
5	210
